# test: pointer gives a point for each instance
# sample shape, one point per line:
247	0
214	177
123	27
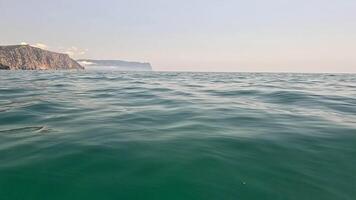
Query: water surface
120	135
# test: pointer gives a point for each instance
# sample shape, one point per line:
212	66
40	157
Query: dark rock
4	67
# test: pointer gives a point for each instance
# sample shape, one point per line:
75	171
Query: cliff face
26	57
116	65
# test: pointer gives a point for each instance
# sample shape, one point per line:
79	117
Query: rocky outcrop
25	57
4	67
115	65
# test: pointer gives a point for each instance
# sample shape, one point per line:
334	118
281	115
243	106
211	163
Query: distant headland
115	65
26	57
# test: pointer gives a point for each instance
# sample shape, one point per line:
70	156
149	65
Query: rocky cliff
25	57
115	65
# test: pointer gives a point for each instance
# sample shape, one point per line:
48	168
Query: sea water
174	135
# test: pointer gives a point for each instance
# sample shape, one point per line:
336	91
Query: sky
192	35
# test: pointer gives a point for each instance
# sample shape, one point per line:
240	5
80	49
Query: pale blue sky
194	35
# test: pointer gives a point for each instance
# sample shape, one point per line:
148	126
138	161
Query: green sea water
120	135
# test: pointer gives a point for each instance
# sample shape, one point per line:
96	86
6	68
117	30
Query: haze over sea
174	135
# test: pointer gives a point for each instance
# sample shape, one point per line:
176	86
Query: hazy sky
192	35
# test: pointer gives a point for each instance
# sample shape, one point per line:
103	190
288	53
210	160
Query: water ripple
117	135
